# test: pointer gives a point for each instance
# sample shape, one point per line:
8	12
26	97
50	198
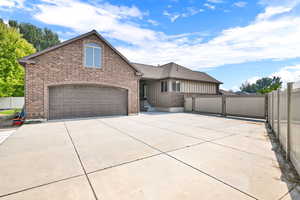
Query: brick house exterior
64	65
59	83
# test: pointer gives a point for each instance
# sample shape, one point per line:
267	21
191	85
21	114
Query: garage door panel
73	101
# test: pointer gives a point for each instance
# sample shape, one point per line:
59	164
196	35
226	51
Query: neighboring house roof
26	59
173	70
244	93
225	92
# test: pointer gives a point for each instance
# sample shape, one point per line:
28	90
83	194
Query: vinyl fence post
278	114
266	108
272	122
223	105
289	101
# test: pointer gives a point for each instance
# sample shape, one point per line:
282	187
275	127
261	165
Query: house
86	76
163	87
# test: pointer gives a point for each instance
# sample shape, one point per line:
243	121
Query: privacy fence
284	120
11	102
235	105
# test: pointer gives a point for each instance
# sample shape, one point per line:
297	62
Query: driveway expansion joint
240	150
169	130
124	163
180	133
41	185
288	192
76	151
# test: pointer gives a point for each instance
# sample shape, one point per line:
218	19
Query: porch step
146	107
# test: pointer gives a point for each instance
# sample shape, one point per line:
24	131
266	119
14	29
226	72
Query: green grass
9	112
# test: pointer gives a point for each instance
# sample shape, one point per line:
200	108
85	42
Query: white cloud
240	4
110	20
193	11
270	38
275	3
7	3
189	11
289	74
272	11
153	22
123	11
11	3
212	7
235	88
172	16
253	79
215	1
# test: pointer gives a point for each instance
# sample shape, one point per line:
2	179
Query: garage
74	101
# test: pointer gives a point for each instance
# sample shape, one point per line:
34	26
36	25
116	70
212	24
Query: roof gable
27	59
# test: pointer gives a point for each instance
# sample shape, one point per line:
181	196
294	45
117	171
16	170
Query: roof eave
216	82
173	77
24	62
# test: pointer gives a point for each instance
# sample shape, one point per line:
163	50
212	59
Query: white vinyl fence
209	104
188	104
239	105
11	102
252	106
284	120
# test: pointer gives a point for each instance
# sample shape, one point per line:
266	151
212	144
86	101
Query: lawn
9	112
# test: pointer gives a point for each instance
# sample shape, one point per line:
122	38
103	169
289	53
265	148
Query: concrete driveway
156	156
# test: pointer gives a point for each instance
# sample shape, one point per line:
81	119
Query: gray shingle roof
173	70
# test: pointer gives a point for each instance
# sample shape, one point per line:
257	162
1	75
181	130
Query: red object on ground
18	122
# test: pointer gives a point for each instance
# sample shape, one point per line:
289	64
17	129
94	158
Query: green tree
12	48
263	85
40	38
13	23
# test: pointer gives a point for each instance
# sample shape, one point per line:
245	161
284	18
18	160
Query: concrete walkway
151	156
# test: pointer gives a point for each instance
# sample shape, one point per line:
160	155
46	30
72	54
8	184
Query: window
164	86
93	55
176	86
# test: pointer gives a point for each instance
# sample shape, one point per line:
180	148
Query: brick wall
65	66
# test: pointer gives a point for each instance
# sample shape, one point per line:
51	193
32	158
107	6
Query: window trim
97	46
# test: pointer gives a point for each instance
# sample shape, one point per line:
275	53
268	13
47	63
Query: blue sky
233	40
